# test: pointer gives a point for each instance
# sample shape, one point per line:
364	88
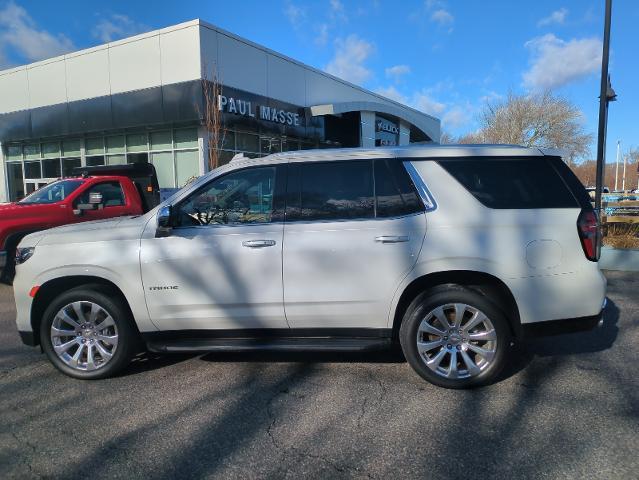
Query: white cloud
117	26
392	93
348	62
396	71
423	102
295	14
442	16
337	10
322	34
556	62
19	32
456	117
557	17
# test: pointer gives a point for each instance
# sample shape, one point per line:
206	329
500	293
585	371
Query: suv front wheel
88	334
455	337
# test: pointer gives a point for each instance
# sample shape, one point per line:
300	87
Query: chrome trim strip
422	189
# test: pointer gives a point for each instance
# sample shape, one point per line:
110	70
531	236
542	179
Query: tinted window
512	183
332	191
241	197
112	194
394	190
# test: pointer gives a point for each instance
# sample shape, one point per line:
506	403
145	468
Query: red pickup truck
95	193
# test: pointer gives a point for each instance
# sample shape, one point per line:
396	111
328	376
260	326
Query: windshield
54	192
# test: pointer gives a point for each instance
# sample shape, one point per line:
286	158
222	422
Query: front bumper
569	325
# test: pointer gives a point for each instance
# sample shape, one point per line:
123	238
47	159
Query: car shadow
596	340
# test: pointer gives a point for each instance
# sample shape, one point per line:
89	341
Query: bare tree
212	116
539	120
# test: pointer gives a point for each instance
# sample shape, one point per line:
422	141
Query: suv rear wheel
87	334
455	337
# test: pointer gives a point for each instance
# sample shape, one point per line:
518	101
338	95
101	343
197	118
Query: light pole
617	166
606	95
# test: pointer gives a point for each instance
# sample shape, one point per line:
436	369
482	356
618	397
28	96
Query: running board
202	345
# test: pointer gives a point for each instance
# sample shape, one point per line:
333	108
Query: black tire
107	299
451	294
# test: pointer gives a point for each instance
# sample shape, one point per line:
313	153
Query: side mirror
164	219
95	198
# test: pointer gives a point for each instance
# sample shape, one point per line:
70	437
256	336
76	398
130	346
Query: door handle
258	243
392	238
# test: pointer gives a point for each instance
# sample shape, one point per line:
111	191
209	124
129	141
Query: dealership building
144	99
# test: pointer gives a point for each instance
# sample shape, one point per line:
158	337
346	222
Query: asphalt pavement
568	407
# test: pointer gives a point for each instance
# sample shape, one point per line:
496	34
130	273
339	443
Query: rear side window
512	183
331	191
112	194
394	191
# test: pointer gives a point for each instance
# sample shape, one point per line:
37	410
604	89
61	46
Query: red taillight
588	227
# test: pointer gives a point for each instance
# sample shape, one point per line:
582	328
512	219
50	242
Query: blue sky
443	57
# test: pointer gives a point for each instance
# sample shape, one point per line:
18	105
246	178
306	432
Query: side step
179	345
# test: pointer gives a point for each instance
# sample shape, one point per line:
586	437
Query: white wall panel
321	89
180	55
135	65
88	75
241	66
47	84
14	91
285	80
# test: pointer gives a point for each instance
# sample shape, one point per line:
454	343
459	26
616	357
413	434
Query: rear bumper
568	325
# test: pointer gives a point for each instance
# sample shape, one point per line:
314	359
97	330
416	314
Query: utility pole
623	180
606	95
617	166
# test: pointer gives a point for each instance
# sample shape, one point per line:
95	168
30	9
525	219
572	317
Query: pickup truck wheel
87	334
454	337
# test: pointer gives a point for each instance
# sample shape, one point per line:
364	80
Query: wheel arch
486	284
52	288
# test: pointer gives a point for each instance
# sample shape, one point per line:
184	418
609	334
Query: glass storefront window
138	158
32	170
68	164
71	148
115	144
32	152
228	140
115	159
163	163
270	145
94	146
51	168
161	140
93	161
14	152
186	138
187	164
136	142
51	150
15	180
247	142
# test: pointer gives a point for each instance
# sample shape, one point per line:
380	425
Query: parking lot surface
568	407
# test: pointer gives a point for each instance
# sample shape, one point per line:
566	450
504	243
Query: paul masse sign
239	106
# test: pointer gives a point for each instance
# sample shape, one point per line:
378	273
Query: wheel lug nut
445	338
458	347
448	346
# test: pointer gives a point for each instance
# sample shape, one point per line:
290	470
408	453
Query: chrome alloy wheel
456	341
84	336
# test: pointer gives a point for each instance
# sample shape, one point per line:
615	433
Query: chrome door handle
392	238
258	243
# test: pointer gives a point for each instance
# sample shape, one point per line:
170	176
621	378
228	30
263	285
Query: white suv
452	251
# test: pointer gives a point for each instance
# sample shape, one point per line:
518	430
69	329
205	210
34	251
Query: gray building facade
143	98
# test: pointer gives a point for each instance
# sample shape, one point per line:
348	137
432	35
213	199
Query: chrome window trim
422	189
